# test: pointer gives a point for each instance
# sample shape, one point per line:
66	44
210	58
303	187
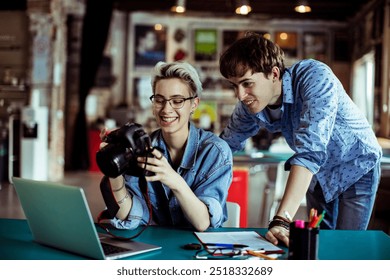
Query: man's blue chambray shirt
329	134
207	167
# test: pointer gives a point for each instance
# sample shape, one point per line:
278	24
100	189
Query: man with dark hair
337	156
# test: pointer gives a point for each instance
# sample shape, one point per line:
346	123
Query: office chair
233	210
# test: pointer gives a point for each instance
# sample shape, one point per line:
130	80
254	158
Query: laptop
58	216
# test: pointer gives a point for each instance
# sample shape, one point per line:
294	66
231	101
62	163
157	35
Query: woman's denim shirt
207	167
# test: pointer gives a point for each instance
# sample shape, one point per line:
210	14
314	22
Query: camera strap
113	207
109	199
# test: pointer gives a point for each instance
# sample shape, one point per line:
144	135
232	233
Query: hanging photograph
150	45
315	46
206	44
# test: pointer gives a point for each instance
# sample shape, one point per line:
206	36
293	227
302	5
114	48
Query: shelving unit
201	42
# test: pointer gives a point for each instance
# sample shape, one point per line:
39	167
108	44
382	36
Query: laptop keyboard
110	249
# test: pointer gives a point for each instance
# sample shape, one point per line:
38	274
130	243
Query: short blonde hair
178	69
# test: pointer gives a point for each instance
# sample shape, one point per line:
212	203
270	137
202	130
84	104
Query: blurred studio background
70	67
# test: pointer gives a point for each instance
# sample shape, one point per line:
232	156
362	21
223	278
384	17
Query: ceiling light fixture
302	7
243	7
180	7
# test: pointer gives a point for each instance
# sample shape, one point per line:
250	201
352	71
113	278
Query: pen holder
303	244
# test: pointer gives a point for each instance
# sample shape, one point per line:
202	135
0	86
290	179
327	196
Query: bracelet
123	199
279	223
123	185
276	217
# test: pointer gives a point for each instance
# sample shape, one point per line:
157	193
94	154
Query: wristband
123	199
276	217
123	185
279	223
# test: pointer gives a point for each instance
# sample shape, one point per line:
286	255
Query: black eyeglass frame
184	99
217	253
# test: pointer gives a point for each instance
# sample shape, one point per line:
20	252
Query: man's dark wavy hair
252	52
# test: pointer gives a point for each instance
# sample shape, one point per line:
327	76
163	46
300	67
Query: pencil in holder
303	243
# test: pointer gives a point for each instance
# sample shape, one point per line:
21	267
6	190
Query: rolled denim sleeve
217	216
139	212
307	160
135	217
213	191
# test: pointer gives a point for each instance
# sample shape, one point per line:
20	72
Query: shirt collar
191	148
287	89
287	96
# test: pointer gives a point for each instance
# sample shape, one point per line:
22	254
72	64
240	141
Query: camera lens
113	160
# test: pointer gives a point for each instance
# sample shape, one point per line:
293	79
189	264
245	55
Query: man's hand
278	233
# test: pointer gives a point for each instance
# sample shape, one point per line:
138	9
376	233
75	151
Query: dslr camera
125	144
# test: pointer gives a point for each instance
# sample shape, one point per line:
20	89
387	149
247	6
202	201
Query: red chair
238	192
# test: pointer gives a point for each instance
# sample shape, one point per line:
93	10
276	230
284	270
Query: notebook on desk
58	216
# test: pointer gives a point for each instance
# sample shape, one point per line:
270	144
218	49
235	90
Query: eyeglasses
218	253
175	102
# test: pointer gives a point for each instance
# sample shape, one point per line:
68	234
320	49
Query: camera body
125	144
